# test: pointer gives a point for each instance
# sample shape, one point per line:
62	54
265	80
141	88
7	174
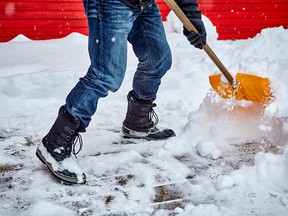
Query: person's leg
151	47
109	23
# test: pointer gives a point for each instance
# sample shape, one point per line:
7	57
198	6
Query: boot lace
153	117
78	139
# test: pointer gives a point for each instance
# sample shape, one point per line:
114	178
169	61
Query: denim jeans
111	25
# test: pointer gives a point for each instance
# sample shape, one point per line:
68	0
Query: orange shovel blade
249	87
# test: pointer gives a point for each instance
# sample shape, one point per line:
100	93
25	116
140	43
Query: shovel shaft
190	27
220	66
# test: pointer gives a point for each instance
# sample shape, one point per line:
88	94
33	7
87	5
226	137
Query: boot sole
59	176
150	137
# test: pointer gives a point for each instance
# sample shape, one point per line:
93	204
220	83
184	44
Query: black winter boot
139	120
57	146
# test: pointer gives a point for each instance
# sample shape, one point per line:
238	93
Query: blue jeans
111	24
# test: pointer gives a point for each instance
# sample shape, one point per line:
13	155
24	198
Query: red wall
241	19
41	19
46	19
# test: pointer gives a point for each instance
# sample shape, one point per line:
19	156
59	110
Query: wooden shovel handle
190	27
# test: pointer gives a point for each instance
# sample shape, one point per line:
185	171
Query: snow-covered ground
228	158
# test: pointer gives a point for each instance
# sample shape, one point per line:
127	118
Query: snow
228	158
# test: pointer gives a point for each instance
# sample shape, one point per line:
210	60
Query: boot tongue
81	130
134	98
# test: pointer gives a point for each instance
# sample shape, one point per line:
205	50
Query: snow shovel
244	87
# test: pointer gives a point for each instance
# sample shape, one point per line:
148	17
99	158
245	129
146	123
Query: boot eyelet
64	144
72	132
68	138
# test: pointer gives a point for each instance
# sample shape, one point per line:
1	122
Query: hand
196	39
